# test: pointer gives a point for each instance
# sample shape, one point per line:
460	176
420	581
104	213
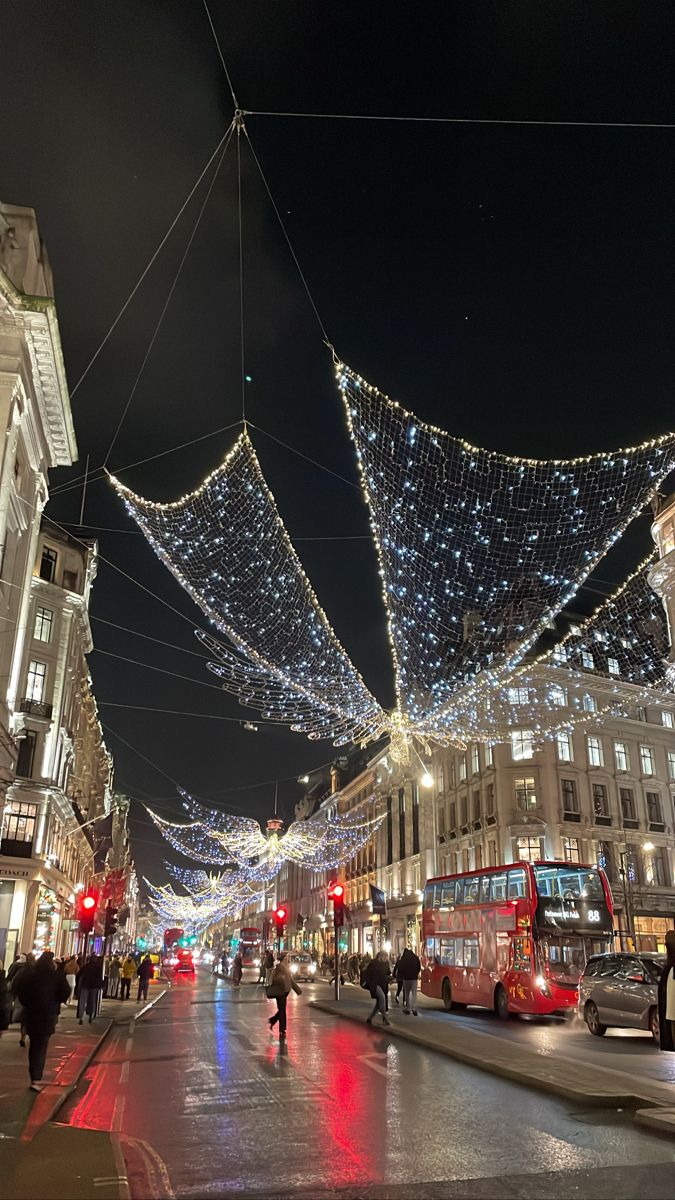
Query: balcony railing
36	708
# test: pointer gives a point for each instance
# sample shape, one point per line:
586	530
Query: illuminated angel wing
323	841
479	551
227	546
213	837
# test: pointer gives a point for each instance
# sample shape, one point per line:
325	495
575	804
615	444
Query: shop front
650	932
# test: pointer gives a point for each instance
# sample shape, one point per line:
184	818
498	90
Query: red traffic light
88	902
338	892
280	914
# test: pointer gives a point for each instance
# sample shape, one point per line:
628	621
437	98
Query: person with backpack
279	990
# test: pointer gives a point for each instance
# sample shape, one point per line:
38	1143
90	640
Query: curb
150	1004
124	1191
517	1075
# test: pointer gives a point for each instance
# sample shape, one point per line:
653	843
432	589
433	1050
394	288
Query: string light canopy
478	553
228	547
209	898
318	843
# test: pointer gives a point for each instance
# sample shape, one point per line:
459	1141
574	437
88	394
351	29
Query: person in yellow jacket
127	973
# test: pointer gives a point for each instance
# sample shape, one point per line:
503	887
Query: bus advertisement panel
514	938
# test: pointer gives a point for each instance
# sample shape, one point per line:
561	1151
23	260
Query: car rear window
653	968
592	967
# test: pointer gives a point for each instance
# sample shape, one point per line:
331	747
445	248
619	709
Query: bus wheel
446	995
502	1004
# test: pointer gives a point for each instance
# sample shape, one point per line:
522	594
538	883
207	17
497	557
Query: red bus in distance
514	938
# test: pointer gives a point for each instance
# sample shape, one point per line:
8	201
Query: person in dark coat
409	968
398	977
145	973
376	980
237	969
667	997
90	979
42	990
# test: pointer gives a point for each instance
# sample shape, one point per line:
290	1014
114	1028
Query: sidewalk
584	1084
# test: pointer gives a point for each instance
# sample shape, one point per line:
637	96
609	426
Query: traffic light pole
337	956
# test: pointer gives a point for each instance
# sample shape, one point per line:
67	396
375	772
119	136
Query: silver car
620	990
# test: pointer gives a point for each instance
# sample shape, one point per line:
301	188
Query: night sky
513	284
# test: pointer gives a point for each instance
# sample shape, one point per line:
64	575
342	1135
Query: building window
43	624
490	799
594	747
647	760
401	823
519	695
453	816
587	660
26	757
464	810
621	757
415	819
525	794
529	849
48	564
488	754
600	800
564	745
667	719
475	759
390	823
440	820
654	814
35	686
19	822
589	703
630	864
492	848
656	870
441	778
671	764
571	850
627	804
462	767
612	666
521	745
605	859
570	797
476	805
558	696
479	858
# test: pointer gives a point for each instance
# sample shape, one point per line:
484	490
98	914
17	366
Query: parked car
620	991
301	965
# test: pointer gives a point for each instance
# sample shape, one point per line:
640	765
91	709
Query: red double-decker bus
514	938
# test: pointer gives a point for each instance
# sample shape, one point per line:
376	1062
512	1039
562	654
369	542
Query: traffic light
336	893
110	920
280	915
86	911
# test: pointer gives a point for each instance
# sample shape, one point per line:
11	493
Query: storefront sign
16	873
379	900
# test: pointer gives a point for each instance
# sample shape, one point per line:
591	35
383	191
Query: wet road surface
210	1104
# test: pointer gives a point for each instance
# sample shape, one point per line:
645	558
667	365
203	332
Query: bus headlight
542	984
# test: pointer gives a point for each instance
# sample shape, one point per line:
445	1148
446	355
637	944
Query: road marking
124	1072
366	1059
129	1046
132	1028
118	1113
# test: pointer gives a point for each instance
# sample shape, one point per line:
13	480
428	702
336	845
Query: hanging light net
227	546
479	551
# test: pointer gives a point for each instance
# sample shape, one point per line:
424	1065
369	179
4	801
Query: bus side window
485	889
459	891
471	957
428	901
499	887
448	895
517	884
447	955
471	890
431	950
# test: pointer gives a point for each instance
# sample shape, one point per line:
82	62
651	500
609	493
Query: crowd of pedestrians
34	988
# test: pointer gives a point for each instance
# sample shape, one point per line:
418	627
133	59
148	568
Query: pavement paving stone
569	1078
